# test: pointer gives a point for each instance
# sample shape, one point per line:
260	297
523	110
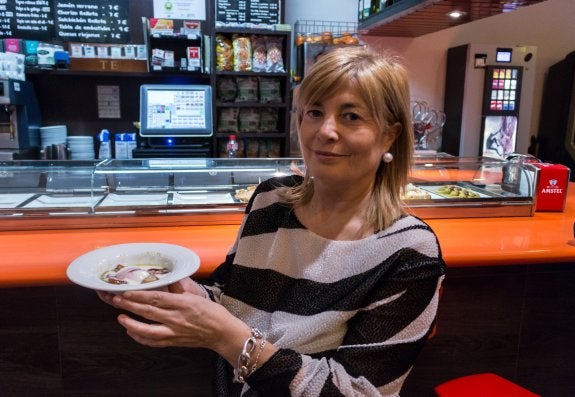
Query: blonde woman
330	288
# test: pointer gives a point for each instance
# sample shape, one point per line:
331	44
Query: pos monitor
174	111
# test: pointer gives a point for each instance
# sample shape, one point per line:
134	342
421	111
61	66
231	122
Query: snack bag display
259	58
228	120
242	53
226	89
269	89
274	58
249	120
252	147
224	53
247	89
268	120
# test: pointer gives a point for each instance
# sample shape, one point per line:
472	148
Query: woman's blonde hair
383	83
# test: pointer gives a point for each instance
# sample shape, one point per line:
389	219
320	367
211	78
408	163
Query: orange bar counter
40	257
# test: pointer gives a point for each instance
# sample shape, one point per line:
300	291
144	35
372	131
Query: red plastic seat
482	385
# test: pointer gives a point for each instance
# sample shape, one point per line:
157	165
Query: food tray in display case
144	192
463	187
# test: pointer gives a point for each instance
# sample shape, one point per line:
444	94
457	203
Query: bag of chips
228	120
224	54
247	89
226	89
242	47
259	58
268	120
269	89
274	58
249	120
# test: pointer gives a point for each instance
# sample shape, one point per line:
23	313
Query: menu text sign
104	21
249	11
99	21
31	19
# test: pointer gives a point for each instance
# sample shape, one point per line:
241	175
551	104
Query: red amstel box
551	187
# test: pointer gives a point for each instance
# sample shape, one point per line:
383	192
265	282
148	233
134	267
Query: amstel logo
552	187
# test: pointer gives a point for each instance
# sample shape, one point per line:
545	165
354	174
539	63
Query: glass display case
153	192
443	186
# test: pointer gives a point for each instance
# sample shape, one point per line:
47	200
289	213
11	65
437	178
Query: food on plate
244	195
134	274
412	192
457	191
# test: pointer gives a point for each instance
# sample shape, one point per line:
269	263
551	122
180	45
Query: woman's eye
313	113
352	116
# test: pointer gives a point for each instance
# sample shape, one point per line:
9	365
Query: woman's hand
184	320
186	285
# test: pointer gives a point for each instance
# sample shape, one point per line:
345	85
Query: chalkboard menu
97	21
29	19
249	11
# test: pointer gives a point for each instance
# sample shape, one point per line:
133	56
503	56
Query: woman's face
340	140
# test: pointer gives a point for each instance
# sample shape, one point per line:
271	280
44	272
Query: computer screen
175	110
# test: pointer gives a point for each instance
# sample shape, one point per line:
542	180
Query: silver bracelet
245	366
255	366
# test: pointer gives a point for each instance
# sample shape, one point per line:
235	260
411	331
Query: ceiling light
456	14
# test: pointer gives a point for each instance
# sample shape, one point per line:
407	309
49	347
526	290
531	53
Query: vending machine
500	110
488	99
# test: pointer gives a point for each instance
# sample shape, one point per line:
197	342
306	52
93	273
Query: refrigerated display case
141	192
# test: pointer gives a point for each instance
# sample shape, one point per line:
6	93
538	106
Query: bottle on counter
232	147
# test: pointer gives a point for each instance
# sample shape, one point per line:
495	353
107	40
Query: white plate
87	269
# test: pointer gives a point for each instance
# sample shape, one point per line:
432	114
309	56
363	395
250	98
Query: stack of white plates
53	135
81	147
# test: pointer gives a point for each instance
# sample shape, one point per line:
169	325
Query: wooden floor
518	322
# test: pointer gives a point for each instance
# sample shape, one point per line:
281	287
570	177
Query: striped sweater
349	317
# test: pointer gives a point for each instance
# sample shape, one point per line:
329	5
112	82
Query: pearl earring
387	157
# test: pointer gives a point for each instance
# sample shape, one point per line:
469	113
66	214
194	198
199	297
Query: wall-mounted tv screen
175	110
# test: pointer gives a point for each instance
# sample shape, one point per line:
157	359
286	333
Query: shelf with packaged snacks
251	82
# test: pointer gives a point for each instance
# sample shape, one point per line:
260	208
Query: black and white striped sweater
349	317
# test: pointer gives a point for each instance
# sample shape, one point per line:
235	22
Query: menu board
27	19
96	21
66	20
249	11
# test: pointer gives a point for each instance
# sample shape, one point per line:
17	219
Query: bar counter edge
40	257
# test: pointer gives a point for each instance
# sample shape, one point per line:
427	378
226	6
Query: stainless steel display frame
138	180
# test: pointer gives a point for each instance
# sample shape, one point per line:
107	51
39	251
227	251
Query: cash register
175	120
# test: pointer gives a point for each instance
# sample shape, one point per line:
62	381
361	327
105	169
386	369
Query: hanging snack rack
332	32
313	38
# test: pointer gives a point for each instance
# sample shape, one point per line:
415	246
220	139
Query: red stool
482	385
